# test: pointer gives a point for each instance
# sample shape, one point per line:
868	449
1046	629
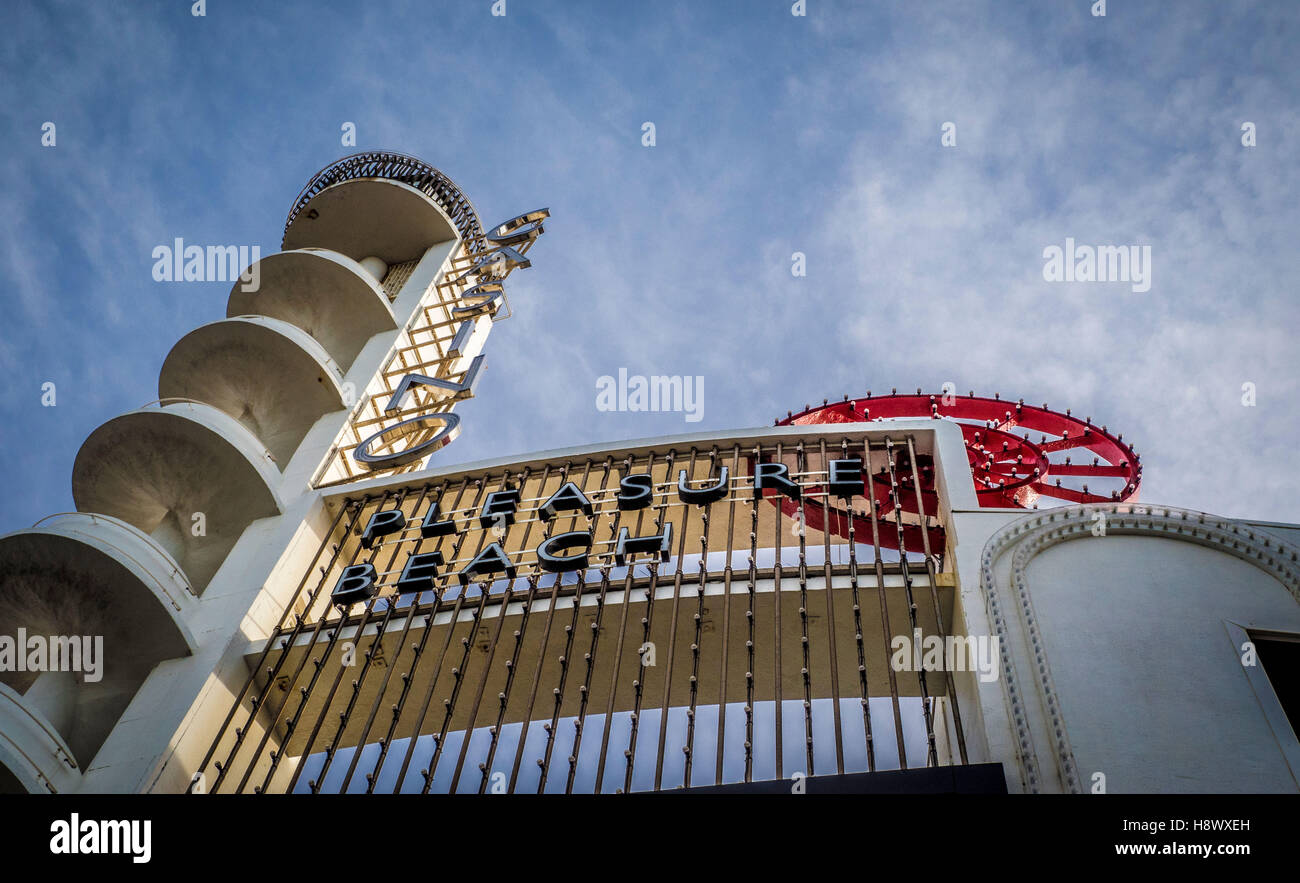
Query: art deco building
886	593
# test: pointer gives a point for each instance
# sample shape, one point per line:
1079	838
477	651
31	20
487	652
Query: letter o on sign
449	422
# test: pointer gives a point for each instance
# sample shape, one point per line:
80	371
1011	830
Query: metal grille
396	277
757	650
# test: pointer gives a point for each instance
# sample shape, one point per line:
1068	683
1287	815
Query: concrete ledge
370	216
272	377
162	467
94	585
326	294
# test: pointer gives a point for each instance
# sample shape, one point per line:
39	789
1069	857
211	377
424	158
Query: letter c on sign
552	562
450	429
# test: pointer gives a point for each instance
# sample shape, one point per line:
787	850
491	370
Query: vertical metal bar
801	467
585	689
630	753
932	758
778	541
613	678
622	634
503	698
934	597
750	615
857	611
458	680
647	622
569	629
830	606
408	679
511	664
492	650
726	614
672	622
689	748
483	679
884	606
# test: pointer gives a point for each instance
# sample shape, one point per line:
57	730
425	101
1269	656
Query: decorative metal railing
772	637
408	170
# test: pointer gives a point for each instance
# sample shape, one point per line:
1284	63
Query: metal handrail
61	750
181	400
141	535
171	400
408	170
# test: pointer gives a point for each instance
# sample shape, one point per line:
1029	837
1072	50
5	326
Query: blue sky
775	134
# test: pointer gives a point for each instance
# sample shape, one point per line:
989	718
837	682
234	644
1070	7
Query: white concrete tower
195	511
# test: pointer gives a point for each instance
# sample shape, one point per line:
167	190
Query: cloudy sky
775	134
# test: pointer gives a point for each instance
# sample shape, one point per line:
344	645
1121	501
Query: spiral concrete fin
370	216
326	294
272	377
103	603
187	474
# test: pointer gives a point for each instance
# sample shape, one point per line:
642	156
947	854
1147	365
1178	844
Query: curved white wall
1150	686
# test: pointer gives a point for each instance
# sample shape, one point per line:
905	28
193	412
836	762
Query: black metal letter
628	544
418	574
845	478
381	524
566	498
499	508
553	563
433	525
635	492
708	494
356	583
777	477
491	560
